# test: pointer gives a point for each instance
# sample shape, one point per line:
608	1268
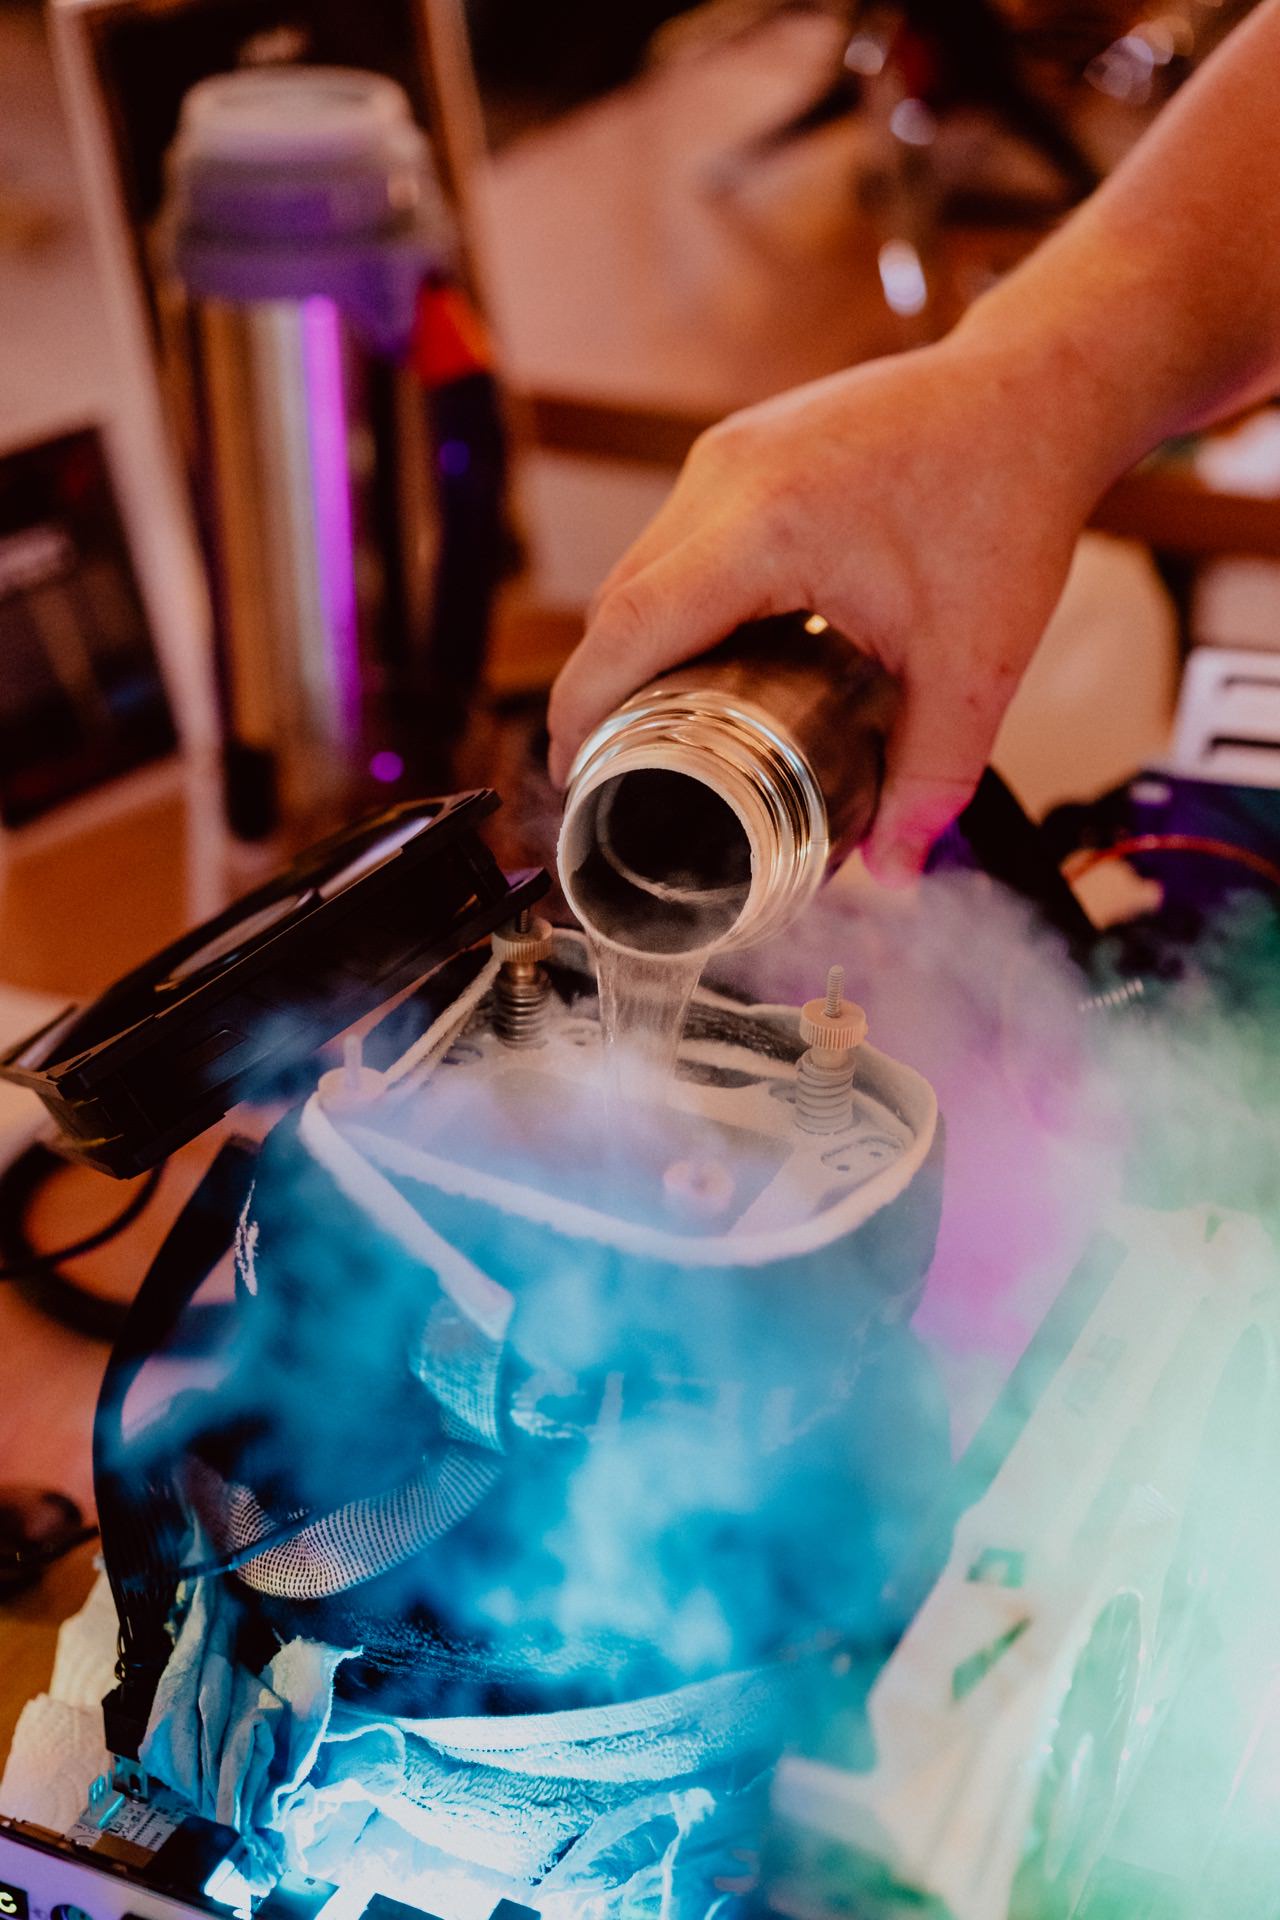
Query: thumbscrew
832	1029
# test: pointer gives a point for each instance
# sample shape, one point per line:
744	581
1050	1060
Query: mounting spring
1118	999
521	989
832	1028
824	1092
520	1006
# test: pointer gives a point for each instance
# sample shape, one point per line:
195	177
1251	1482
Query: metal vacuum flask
344	439
706	811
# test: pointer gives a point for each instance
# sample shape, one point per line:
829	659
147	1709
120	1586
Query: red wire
1256	863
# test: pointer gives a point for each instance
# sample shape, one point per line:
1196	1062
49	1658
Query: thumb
674	608
936	755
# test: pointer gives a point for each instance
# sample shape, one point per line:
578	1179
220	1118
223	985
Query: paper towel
58	1746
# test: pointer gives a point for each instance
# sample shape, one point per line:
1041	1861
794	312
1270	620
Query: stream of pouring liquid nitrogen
644	1001
672	859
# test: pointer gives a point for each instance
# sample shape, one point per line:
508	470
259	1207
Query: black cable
37	1528
37	1262
38	1274
231	1562
142	1521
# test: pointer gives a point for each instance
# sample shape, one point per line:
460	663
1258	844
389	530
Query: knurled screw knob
525	939
833	1024
521	989
832	1029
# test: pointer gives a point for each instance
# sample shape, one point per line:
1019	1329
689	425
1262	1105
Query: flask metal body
706	811
304	236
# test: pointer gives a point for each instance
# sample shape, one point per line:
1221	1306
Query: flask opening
656	861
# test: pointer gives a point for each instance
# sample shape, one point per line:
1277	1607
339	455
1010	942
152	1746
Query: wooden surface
1165	506
49	1380
76	910
1170	509
621	272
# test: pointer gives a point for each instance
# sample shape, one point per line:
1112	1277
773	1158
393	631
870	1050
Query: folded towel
576	1802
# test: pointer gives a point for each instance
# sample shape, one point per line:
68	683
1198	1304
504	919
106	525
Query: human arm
928	504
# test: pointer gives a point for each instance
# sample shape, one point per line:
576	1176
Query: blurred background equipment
343	436
633	304
325	376
81	694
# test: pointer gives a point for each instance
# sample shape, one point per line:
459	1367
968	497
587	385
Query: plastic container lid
282	116
289	183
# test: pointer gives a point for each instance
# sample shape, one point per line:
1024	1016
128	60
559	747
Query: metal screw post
832	1029
522	991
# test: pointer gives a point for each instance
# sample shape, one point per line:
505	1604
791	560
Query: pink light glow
386	766
331	500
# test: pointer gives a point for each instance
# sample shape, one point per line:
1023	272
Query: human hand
927	506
